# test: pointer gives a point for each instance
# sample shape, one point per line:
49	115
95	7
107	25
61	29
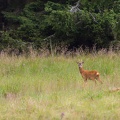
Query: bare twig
76	7
51	46
49	37
93	17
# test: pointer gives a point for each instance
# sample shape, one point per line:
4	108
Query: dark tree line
70	23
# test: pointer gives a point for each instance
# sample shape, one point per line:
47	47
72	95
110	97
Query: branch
49	37
94	19
76	7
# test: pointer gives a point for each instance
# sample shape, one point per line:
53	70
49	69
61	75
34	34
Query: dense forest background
56	23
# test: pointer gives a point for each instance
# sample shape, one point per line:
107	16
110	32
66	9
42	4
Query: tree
72	23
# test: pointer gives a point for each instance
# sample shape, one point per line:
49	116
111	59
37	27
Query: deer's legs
99	80
85	82
95	82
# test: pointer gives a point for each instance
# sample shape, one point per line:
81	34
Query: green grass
51	88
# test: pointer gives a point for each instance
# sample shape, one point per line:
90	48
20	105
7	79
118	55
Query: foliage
95	22
9	42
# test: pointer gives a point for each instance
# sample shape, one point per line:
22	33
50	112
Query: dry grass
51	88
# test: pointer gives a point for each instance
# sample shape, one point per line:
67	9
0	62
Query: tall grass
51	88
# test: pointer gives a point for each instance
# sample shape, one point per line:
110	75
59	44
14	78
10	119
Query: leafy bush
95	22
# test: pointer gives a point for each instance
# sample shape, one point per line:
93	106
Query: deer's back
90	74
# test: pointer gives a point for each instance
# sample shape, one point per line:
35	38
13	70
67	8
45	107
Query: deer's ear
77	62
82	62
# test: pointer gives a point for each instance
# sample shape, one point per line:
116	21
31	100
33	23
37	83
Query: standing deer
86	74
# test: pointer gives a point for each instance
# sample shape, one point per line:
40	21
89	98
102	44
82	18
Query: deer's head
80	64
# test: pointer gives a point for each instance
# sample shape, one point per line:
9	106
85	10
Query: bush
93	23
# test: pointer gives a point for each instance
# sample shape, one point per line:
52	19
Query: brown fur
91	75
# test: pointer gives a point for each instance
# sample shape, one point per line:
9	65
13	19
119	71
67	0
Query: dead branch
76	7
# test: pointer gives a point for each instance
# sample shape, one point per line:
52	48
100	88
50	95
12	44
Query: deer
87	74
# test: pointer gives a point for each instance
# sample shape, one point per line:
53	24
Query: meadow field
51	88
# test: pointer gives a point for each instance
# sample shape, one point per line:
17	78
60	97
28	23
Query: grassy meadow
51	88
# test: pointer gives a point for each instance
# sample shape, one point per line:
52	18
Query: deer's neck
81	69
